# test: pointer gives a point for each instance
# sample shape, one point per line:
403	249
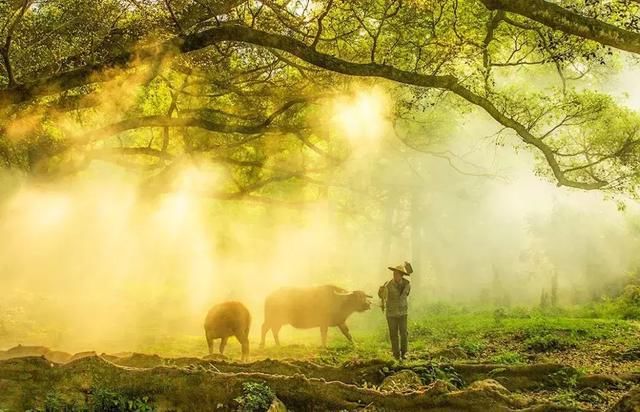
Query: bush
628	304
430	373
256	397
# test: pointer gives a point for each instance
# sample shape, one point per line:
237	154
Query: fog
92	262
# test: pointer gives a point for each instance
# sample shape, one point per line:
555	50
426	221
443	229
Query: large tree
147	84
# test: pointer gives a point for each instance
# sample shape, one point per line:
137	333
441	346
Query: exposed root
26	382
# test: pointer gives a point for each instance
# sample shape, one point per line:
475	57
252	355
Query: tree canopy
150	84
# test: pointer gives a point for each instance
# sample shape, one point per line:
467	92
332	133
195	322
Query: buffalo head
357	300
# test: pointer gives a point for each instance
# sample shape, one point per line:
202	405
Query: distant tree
554	290
544	299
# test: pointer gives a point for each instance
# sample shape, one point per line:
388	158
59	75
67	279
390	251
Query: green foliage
625	304
507	357
55	403
499	315
107	400
590	395
430	373
564	378
256	397
472	346
629	303
549	343
565	398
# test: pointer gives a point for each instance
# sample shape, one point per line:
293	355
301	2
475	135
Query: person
394	295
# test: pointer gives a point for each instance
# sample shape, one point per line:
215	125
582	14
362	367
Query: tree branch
559	18
304	52
166	121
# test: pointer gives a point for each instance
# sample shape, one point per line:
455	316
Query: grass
504	335
516	336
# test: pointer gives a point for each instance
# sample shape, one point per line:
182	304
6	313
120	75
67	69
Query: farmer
394	295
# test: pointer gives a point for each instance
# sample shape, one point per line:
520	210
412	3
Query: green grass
515	335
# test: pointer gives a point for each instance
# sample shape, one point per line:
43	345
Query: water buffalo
314	307
228	319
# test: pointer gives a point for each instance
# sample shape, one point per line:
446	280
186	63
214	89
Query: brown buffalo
306	308
225	320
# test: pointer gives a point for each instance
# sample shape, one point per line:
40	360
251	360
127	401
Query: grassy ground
441	335
498	336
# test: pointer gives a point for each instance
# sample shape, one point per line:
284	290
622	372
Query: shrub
256	397
430	373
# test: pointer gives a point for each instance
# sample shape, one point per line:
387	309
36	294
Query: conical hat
405	269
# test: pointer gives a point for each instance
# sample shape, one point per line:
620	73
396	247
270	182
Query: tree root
25	383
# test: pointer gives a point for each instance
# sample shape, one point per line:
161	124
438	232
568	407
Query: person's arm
406	290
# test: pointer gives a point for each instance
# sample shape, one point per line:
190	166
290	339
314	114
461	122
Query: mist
94	262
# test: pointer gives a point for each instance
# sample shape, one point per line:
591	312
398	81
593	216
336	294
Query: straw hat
405	269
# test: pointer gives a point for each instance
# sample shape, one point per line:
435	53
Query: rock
81	355
24	351
405	380
119	354
601	381
484	395
629	402
489	385
139	360
439	387
57	356
29	351
277	406
451	354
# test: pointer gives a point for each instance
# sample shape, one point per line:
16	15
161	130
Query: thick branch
310	55
166	121
559	18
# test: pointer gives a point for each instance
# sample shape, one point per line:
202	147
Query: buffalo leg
223	343
345	331
244	341
276	330
210	344
323	335
265	329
